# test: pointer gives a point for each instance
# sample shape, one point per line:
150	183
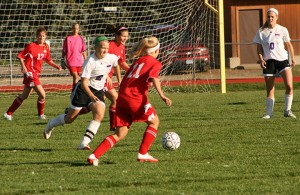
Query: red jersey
119	51
135	84
34	56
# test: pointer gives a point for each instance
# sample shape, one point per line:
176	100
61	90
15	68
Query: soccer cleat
146	158
42	117
7	116
48	130
289	114
92	160
266	116
84	147
66	110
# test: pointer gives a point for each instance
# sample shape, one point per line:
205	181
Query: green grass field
226	148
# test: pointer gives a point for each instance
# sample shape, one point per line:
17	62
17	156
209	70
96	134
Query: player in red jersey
117	47
133	104
31	60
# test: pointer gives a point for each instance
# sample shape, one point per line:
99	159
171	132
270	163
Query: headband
273	10
153	49
122	28
99	39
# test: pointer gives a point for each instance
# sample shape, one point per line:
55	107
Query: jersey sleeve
83	49
65	45
87	68
154	71
257	37
22	54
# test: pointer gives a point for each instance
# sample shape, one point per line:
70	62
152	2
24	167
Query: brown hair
141	48
39	30
117	30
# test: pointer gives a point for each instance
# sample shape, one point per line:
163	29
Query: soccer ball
170	141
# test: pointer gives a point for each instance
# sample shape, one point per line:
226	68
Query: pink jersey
73	48
119	51
135	84
34	56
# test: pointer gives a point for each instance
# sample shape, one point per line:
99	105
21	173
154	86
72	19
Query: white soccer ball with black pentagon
170	141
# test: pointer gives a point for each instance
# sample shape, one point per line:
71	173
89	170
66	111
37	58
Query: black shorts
274	67
80	99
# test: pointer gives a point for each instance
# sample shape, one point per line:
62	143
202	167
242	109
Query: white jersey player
89	92
271	40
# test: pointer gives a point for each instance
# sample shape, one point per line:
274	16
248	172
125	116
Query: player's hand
263	64
167	100
109	81
59	68
63	63
293	63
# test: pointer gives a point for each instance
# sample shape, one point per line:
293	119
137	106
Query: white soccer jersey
272	41
96	70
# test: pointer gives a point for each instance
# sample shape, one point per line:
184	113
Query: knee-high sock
104	146
112	115
58	121
40	106
14	106
288	101
269	106
90	132
148	139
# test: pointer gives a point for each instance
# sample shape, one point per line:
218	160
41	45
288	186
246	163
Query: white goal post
187	29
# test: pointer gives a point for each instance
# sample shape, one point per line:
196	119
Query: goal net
186	29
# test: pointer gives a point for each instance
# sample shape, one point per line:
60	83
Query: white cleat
92	160
84	147
42	117
266	116
48	130
289	114
7	116
146	158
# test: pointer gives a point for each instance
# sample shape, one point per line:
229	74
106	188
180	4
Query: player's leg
40	101
107	144
98	110
112	95
17	102
123	122
287	77
61	120
75	76
270	99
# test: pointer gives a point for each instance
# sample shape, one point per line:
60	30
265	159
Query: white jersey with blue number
272	41
96	70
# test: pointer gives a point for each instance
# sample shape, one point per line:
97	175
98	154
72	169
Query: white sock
269	106
90	132
288	101
60	120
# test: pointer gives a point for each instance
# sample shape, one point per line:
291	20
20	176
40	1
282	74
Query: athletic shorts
274	67
125	116
108	88
80	99
77	69
31	79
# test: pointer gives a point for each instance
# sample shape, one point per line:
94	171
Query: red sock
104	146
40	106
148	139
84	110
14	106
112	115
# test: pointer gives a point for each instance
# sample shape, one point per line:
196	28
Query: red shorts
125	116
77	69
31	79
